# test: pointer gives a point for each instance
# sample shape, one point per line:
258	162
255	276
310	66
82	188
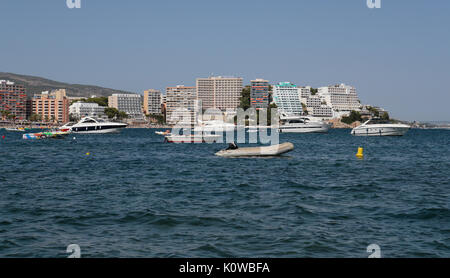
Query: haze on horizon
397	57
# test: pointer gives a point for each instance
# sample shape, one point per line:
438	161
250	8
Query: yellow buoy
360	153
88	153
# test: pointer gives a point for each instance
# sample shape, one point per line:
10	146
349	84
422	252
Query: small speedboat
274	150
19	129
46	135
379	127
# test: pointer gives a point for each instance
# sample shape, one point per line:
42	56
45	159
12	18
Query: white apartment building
181	105
152	102
83	109
304	93
313	101
286	97
219	92
341	98
128	103
322	111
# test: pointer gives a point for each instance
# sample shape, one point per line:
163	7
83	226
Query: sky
397	56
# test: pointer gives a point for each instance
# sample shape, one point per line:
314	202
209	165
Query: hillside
35	85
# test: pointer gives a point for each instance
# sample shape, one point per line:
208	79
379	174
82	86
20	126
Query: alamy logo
73	4
74	250
374	250
372	4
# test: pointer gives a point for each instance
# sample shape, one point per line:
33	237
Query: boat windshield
88	121
296	121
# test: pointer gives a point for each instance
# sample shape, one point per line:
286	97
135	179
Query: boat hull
193	139
101	131
96	129
275	150
383	131
320	128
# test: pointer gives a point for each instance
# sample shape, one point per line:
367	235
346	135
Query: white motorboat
379	127
195	138
297	124
274	150
214	126
94	125
18	129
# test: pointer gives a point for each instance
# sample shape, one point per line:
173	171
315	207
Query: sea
132	195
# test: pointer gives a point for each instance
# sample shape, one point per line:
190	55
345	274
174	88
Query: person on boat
232	146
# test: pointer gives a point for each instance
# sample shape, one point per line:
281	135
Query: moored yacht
94	125
379	127
214	125
297	124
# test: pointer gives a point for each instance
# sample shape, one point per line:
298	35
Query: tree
385	116
159	118
245	98
353	117
122	115
101	101
111	112
314	91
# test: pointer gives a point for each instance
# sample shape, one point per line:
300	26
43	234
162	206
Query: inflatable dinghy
258	151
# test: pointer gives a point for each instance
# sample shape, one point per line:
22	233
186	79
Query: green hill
36	85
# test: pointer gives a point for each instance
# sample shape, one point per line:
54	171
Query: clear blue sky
398	57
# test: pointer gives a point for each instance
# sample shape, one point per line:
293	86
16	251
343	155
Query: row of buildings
327	102
184	102
50	106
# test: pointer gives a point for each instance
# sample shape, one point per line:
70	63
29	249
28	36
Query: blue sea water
135	196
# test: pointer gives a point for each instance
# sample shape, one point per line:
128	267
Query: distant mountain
35	85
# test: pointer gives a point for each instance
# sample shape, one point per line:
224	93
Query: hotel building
285	96
341	98
13	99
152	102
259	94
128	103
82	109
219	92
181	105
52	106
